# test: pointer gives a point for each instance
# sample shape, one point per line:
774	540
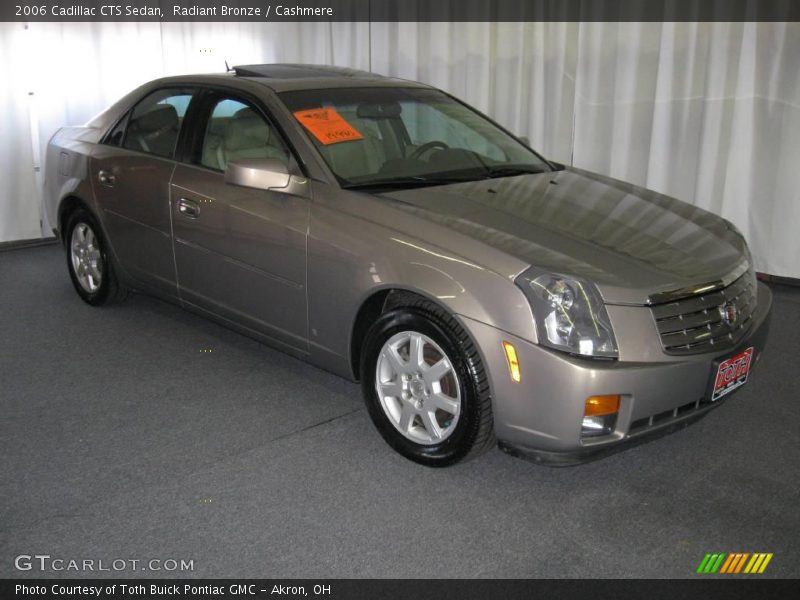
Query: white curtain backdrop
706	112
55	74
20	202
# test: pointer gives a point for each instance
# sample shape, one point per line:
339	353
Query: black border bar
705	587
399	10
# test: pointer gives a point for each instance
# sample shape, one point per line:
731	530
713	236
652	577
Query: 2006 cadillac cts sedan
387	232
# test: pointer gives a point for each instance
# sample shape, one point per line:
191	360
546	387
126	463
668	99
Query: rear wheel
88	261
425	386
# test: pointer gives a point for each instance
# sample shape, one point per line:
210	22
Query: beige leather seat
248	136
357	158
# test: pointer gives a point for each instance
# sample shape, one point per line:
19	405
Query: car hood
630	241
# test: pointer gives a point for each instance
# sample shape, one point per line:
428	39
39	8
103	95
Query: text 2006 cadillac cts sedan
385	231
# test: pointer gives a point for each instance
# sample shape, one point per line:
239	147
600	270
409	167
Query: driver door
240	253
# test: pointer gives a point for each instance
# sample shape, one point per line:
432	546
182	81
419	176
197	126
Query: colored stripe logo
734	562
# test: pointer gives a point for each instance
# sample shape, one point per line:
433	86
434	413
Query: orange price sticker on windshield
327	125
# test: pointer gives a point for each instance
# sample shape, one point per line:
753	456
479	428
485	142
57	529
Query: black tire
473	432
110	289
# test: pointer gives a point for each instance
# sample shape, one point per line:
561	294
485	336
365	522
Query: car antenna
227	68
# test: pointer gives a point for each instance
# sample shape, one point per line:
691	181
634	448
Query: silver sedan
387	232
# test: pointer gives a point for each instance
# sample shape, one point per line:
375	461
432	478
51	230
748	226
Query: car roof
300	71
283	77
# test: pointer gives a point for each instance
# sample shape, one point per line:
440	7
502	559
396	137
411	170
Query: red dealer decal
327	126
732	373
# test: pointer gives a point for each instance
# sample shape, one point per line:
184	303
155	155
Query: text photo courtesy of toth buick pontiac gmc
385	231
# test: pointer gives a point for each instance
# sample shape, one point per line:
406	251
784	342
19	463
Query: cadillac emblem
729	313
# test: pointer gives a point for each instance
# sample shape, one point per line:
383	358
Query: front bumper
540	418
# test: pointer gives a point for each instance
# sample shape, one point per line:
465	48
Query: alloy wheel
418	387
87	260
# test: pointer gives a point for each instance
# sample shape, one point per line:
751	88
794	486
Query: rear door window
155	122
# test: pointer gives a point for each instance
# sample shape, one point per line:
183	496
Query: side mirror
258	173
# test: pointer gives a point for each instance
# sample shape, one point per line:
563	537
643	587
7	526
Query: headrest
246	130
245	113
162	116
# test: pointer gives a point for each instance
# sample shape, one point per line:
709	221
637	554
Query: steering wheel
427	147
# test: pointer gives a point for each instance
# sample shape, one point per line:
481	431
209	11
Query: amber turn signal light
513	362
598	406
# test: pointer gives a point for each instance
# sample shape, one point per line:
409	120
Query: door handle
188	208
105	178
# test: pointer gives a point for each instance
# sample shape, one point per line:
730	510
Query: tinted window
428	123
115	136
237	130
156	121
407	135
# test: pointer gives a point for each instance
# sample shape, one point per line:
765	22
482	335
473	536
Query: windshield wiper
507	171
401	183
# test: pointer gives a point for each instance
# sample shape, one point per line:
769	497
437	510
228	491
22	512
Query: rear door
130	175
240	253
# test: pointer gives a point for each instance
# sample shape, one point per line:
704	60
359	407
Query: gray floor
121	439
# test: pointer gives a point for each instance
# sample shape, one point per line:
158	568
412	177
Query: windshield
406	137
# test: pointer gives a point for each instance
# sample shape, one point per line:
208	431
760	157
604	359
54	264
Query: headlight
570	314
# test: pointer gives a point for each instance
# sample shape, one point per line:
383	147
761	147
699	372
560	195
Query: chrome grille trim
693	325
703	288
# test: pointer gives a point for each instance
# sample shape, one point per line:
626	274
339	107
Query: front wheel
425	386
88	260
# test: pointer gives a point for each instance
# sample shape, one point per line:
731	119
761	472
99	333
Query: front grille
695	324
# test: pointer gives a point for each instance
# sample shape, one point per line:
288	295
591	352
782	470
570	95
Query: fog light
600	415
513	362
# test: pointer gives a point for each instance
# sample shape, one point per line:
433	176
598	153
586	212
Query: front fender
351	259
